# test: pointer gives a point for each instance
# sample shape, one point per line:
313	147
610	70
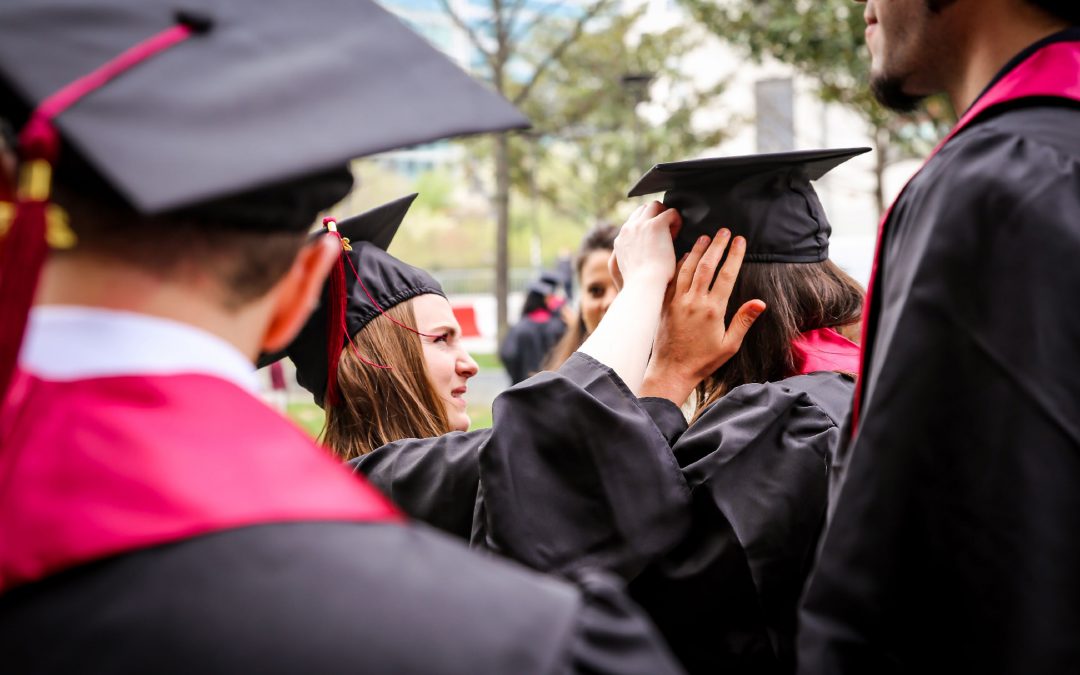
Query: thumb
741	322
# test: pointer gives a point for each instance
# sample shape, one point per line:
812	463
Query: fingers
689	267
613	269
706	267
677	281
741	322
652	209
675	226
725	281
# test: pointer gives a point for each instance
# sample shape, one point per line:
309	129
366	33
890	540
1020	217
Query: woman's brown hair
600	238
800	297
382	405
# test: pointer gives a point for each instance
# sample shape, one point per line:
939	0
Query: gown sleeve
667	417
433	480
756	465
577	475
437	480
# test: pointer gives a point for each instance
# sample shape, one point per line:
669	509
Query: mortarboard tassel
35	224
378	306
337	331
336	317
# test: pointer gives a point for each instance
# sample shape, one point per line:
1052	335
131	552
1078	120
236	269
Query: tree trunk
502	231
881	140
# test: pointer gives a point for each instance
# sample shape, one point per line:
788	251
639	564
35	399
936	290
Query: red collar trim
824	350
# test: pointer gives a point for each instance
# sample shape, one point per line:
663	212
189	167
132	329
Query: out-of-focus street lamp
637	86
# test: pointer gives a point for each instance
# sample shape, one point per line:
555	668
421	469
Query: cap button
197	21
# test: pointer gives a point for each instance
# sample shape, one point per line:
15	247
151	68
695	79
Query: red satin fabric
96	467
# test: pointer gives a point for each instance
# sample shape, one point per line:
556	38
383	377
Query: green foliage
436	190
823	39
591	138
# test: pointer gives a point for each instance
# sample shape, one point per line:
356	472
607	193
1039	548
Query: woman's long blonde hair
382	405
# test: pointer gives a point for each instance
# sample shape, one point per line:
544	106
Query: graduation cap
766	198
367	282
553	279
189	104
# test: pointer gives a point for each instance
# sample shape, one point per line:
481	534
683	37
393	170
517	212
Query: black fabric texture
756	463
322	598
270	92
952	544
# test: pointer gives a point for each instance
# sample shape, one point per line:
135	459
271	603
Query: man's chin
889	91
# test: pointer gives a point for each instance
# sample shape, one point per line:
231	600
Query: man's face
907	41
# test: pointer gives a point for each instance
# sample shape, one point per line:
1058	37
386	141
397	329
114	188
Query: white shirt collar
65	343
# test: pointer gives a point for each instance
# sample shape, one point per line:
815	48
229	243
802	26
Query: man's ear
297	294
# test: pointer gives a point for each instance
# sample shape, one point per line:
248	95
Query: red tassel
23	250
24	246
336	327
21	259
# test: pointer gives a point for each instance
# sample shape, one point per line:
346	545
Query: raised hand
644	246
693	340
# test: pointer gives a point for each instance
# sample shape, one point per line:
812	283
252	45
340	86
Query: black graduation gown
725	596
322	598
433	480
527	344
756	463
575	471
953	545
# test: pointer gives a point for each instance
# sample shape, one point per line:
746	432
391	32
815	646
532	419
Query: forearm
624	337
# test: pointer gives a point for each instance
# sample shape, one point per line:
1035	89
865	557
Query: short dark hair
244	263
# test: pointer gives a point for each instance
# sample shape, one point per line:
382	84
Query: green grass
479	416
488	361
306	414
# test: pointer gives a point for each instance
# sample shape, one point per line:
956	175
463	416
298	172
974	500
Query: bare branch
540	16
466	28
561	47
513	11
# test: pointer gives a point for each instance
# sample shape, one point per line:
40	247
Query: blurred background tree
824	40
503	34
618	101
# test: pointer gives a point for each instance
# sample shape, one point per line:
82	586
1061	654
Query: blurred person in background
541	325
597	289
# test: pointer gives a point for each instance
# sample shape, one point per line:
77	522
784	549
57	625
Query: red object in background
466	318
277	376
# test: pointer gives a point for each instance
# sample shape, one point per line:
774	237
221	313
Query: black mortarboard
542	286
266	90
374	281
193	105
766	198
553	279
